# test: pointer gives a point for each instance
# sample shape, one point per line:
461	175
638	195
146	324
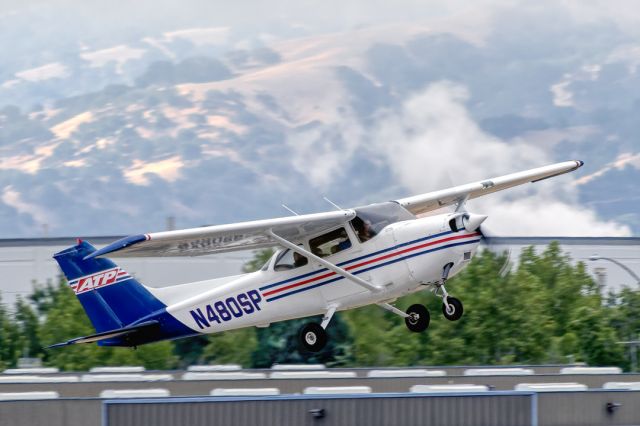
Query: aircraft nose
473	221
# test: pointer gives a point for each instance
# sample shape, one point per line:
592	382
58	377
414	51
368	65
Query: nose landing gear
452	308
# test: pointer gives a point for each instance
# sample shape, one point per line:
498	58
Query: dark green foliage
9	349
28	325
260	257
278	343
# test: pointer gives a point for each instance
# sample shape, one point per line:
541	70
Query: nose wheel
452	309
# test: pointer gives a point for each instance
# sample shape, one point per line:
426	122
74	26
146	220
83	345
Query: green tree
9	339
66	319
27	323
597	339
260	257
505	317
278	343
231	347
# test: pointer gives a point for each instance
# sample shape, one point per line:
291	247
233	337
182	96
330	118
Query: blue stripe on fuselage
347	262
370	268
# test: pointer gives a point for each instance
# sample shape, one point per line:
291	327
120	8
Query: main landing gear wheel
454	312
418	319
313	337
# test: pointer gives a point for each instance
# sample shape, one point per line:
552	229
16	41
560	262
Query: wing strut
343	273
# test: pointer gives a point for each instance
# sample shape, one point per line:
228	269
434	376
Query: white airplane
327	262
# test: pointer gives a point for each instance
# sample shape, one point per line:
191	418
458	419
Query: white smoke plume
432	142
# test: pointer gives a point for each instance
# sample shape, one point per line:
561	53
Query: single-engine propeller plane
326	262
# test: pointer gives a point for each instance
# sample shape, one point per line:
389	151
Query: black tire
456	309
313	337
419	318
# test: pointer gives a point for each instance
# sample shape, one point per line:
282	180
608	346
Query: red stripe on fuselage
377	259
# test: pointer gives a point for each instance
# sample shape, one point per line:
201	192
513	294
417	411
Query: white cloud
13	198
201	36
44	72
168	169
622	161
562	95
627	53
433	136
320	153
118	54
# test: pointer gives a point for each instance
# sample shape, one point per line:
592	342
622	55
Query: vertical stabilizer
110	296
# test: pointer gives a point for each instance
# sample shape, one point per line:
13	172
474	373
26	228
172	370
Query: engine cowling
473	221
468	221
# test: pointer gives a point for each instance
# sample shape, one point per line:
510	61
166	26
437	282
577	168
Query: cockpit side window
372	219
289	259
363	229
330	243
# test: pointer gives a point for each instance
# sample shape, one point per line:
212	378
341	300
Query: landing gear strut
416	318
313	336
452	308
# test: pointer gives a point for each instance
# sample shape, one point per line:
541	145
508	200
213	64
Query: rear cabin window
330	243
289	259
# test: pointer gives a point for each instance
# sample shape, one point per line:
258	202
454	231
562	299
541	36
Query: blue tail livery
122	310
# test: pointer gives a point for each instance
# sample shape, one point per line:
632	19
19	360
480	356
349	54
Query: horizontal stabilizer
108	334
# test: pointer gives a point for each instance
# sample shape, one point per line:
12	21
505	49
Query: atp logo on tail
98	280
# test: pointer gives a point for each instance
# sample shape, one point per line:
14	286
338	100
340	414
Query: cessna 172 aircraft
327	262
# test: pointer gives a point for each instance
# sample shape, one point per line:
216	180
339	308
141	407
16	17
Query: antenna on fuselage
285	206
332	203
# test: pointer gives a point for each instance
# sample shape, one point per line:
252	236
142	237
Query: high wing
424	203
224	238
267	233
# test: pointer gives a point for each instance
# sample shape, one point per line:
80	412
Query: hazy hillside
112	131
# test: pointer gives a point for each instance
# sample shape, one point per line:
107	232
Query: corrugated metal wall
588	408
55	412
444	410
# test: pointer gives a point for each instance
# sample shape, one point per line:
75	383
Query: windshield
371	219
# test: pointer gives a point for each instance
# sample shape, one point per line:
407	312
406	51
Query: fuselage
402	258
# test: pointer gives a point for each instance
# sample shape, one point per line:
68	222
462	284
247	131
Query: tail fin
110	296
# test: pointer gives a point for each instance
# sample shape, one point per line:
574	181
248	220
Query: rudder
111	297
